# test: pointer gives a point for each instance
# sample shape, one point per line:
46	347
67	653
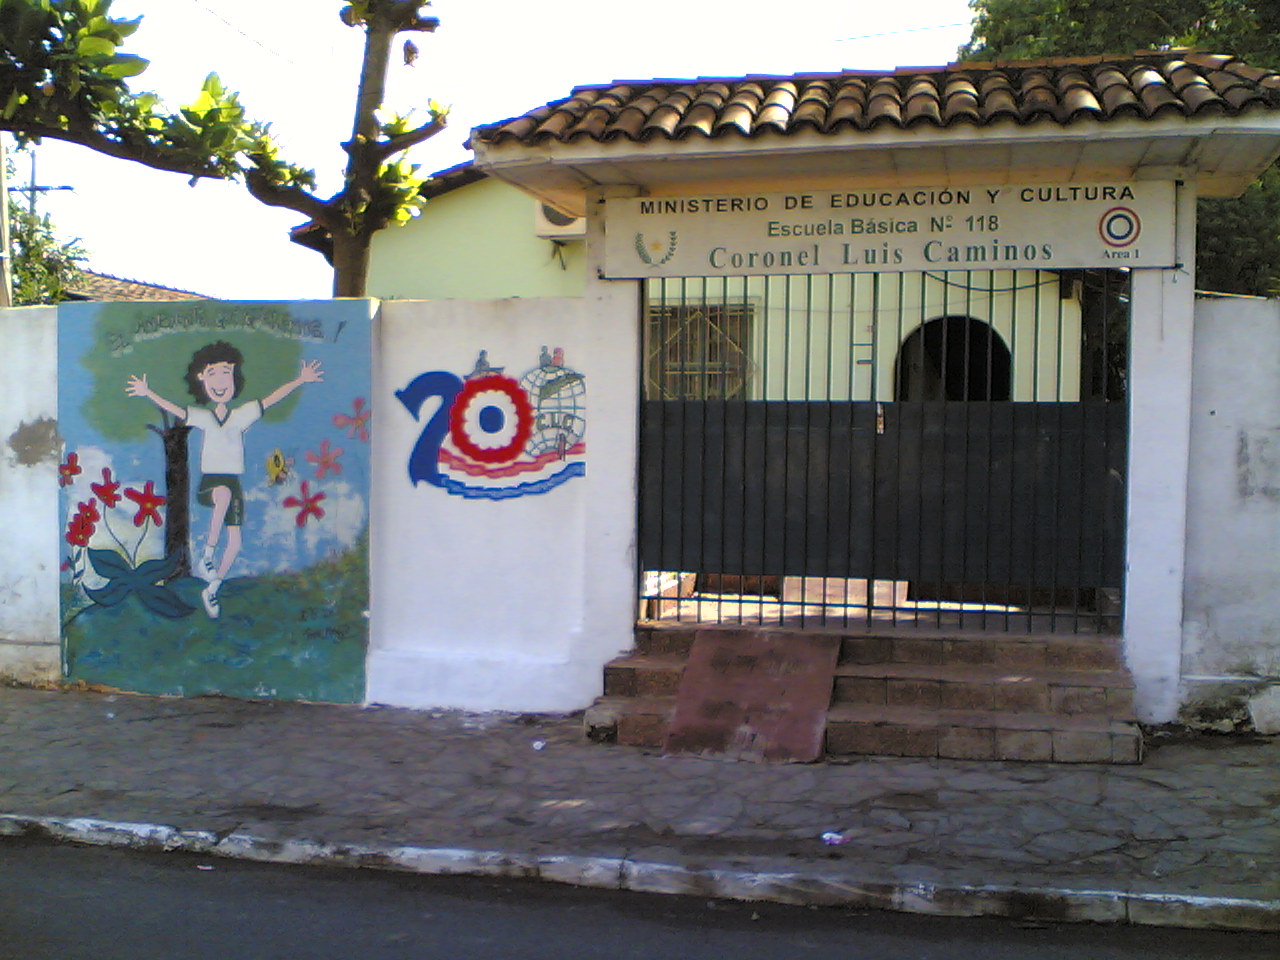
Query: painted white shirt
223	447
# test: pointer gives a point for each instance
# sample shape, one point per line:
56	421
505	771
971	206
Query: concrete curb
729	883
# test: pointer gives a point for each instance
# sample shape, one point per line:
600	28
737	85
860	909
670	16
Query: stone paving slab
1189	838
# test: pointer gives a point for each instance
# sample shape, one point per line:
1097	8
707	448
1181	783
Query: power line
232	26
898	33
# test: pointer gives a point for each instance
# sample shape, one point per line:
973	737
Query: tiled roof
100	286
1143	86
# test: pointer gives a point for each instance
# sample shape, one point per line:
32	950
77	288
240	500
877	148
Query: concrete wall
507	584
29	559
1231	618
476	241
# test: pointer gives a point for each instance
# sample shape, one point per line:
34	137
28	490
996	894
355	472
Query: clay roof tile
1059	90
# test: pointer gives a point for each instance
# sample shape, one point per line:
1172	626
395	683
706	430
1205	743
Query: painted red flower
310	504
68	471
108	490
83	524
356	425
326	461
147	500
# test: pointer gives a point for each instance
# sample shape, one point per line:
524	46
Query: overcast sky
490	59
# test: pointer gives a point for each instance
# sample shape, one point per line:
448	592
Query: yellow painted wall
475	242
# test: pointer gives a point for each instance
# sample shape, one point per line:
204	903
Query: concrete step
855	730
979	735
1099	693
1056	651
631	721
644	675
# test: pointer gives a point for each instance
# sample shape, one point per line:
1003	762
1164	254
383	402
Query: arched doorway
953	358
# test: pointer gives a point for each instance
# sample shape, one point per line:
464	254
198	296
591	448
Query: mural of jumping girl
215	377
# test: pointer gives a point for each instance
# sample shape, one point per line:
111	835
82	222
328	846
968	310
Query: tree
63	76
43	267
1238	248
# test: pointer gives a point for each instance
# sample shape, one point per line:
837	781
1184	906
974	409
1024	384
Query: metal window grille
920	448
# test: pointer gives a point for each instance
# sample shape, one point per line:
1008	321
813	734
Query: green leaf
109	564
95	47
111	594
164	601
124	65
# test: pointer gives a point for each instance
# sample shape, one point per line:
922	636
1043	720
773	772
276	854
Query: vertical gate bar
757	333
947	387
681	392
811	499
900	355
1080	449
701	359
869	476
749	388
988	395
659	375
1059	486
830	397
872	473
786	436
1034	539
1003	601
766	383
970	389
726	313
646	604
919	479
654	373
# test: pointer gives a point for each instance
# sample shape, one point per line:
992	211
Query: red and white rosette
491	419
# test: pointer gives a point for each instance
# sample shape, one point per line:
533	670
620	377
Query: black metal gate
937	447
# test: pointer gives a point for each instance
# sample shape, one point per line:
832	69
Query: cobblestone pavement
1191	837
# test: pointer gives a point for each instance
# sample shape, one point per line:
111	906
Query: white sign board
863	230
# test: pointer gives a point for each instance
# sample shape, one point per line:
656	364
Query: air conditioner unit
550	224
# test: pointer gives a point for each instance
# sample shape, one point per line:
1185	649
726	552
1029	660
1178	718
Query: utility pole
6	273
6	242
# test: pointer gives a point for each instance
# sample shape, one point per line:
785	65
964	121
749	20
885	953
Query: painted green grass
296	636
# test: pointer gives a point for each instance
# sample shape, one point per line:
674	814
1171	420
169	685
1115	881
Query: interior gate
941	447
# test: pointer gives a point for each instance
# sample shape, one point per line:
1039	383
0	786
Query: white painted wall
29	551
510	604
1231	626
1159	449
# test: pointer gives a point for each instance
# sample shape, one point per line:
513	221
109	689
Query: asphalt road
68	903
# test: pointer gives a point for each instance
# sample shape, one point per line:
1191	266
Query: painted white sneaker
205	569
209	596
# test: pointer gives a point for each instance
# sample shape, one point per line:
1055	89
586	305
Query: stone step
1057	651
644	675
631	721
855	730
1103	694
979	735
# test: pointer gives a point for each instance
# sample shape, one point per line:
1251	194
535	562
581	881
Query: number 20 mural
494	436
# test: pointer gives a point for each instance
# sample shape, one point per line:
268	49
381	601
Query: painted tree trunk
177	481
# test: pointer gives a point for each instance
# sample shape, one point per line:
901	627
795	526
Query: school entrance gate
939	448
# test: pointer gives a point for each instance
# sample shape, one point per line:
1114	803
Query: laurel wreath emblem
643	251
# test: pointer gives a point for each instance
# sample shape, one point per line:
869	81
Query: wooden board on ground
754	695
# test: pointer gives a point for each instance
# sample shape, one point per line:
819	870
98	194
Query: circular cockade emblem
1119	227
491	420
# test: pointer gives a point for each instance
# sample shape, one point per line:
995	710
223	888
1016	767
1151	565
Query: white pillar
612	510
1159	444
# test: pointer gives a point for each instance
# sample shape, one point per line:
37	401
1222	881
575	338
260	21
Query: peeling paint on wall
1258	464
37	442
